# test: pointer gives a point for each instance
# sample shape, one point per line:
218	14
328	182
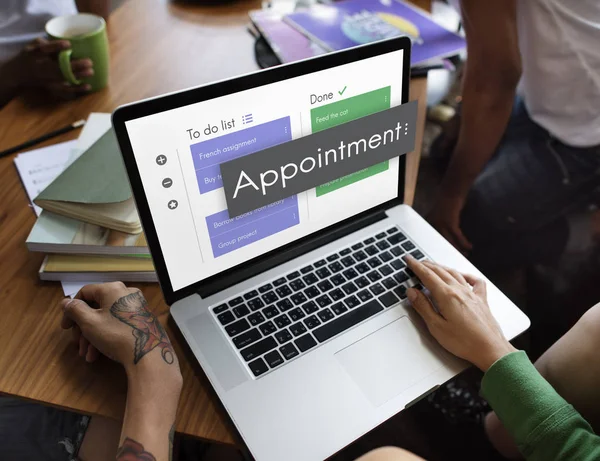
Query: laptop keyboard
284	319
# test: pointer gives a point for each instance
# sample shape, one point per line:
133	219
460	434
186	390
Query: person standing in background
27	59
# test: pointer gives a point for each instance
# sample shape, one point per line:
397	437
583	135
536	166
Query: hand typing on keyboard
464	325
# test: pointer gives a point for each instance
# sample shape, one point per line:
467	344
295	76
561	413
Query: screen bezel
226	87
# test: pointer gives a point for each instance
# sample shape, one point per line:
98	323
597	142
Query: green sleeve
544	426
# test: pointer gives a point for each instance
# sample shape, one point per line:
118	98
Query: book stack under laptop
88	225
334	26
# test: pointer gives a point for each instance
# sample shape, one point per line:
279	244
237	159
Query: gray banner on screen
336	152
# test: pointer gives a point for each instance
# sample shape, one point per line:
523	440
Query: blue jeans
515	214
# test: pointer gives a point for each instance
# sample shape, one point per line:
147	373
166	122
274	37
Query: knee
390	454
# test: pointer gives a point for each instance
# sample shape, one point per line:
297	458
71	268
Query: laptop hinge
286	254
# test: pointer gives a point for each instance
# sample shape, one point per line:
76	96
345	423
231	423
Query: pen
52	134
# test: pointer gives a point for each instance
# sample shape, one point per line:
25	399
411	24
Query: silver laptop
297	311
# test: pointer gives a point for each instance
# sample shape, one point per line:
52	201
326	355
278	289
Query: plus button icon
161	159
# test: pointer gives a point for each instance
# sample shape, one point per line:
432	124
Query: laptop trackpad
390	360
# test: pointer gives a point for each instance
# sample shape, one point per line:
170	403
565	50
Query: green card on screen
87	35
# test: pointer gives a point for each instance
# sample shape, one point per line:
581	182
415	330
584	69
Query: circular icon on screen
172	204
167	182
161	159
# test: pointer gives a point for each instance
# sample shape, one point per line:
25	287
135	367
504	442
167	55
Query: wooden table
156	47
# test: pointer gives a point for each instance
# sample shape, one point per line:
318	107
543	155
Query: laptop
296	311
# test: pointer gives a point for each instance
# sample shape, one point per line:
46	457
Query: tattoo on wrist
146	329
133	451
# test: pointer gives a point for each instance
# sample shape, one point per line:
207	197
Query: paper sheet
71	288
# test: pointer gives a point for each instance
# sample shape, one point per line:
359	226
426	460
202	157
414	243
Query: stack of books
335	26
88	225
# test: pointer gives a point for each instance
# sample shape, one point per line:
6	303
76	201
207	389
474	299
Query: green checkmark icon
341	92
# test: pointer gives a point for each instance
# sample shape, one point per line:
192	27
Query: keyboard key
267	328
236	301
386	270
345	251
273	359
310	307
393	230
336	294
380	235
351	302
270	297
396	238
383	245
280	281
270	312
349	288
219	309
282	321
343	322
369	241
348	261
259	348
408	246
417	254
371	250
376	289
339	308
364	295
296	314
362	282
293	275
388	299
401	277
310	279
398	264
298	298
241	311
283	291
397	251
418	286
283	336
362	268
325	315
338	279
256	318
386	256
410	273
284	305
374	262
400	291
305	342
297	285
298	329
323	273
374	276
226	318
357	246
258	367
323	301
306	269
255	304
360	256
289	351
320	263
245	339
311	292
250	295
332	257
237	327
349	274
312	322
389	283
265	288
324	286
335	267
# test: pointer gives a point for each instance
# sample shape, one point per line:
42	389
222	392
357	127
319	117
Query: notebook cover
350	23
97	176
96	263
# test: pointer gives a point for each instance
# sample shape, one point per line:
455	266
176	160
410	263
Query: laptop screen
178	153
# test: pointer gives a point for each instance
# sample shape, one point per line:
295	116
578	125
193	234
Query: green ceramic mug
87	34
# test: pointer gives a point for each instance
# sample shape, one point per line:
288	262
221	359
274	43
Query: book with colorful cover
286	42
350	23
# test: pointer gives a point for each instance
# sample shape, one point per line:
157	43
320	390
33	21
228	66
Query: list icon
161	159
247	119
167	182
173	204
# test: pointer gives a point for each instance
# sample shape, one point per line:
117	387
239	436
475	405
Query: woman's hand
461	320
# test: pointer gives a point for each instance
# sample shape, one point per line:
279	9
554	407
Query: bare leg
389	454
101	439
572	367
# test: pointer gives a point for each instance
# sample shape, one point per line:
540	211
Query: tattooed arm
123	329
